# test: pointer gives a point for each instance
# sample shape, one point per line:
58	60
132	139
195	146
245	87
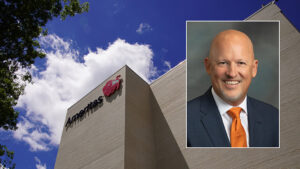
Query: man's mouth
232	82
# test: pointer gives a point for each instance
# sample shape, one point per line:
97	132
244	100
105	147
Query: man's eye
222	63
242	63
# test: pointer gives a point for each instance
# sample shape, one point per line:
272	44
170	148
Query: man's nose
231	70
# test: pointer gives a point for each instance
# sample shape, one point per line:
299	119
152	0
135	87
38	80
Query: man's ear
207	65
254	68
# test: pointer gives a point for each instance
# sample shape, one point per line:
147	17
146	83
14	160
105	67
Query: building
144	126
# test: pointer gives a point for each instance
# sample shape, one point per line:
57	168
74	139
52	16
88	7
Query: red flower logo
111	86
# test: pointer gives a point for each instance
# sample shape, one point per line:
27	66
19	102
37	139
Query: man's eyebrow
244	60
220	59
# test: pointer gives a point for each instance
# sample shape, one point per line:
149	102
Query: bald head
231	65
228	38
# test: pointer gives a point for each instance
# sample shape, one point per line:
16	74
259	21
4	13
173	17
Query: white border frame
278	21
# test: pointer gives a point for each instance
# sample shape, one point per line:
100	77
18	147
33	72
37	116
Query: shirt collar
224	107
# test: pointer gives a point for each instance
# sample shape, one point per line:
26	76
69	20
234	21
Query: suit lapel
255	125
212	122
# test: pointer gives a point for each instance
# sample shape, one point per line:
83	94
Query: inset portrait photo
232	83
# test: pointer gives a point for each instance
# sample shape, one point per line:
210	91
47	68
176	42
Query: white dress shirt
223	107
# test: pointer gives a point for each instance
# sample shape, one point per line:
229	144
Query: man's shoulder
198	99
201	98
194	104
200	105
262	106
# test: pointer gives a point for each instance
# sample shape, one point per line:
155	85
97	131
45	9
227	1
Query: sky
82	51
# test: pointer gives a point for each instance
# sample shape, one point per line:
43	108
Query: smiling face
231	65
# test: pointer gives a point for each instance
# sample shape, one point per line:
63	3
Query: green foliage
6	158
72	7
21	23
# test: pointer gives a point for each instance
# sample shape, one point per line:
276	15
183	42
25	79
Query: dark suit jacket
205	126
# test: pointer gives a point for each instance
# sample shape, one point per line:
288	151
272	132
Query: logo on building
110	87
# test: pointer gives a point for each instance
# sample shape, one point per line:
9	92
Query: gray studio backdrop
265	39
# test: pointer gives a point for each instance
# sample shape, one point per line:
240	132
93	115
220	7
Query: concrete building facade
143	126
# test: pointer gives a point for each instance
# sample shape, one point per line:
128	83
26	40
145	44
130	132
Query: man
225	116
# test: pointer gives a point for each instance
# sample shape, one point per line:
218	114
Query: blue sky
147	35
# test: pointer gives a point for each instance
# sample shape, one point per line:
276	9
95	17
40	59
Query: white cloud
32	135
168	64
65	80
39	164
143	27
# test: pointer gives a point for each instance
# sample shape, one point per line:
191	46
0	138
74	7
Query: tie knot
234	112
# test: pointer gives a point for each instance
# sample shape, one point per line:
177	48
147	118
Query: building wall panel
96	141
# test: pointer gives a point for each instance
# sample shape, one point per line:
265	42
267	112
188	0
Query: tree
21	23
7	160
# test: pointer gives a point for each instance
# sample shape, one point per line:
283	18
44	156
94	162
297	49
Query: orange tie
237	133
